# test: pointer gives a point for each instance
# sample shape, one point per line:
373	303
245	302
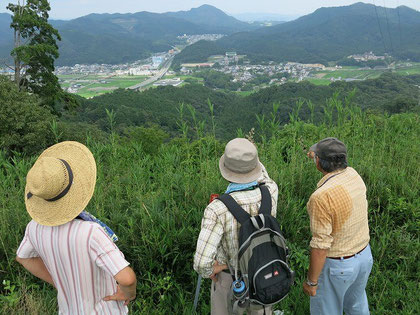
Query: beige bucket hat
240	163
60	184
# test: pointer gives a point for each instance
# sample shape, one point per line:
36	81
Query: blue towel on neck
86	216
237	187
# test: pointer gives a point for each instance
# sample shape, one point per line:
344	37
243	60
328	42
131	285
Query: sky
68	9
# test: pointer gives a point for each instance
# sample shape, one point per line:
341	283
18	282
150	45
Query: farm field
94	85
355	73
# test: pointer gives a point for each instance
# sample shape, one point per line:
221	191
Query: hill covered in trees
215	20
120	38
161	106
166	113
328	34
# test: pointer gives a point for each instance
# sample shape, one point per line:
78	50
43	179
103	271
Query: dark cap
330	149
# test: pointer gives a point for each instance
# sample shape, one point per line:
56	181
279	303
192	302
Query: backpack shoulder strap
266	205
240	214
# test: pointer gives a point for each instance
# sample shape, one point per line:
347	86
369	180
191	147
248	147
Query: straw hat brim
240	178
82	163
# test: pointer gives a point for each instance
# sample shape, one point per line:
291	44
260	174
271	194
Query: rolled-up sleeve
26	249
208	242
105	253
320	222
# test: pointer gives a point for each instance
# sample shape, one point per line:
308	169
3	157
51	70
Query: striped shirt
338	214
82	261
218	239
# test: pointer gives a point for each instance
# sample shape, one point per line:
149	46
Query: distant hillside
330	34
213	19
118	38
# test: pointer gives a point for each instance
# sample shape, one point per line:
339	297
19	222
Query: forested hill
214	19
330	34
119	38
160	106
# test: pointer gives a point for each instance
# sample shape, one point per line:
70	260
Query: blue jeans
341	286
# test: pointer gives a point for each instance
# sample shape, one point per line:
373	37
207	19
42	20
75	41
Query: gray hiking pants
219	297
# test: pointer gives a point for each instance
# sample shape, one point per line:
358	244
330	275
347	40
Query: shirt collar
328	176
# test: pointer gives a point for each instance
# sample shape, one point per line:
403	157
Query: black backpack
262	255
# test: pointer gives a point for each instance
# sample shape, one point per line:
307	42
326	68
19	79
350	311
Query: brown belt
347	257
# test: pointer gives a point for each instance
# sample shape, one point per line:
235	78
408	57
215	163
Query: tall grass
155	204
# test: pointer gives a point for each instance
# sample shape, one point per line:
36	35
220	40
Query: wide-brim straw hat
60	184
240	163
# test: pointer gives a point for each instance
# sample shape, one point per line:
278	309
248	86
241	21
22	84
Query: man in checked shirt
341	259
217	245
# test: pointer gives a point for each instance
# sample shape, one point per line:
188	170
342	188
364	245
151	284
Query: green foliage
11	295
24	124
150	138
232	111
79	131
402	104
155	205
36	50
217	79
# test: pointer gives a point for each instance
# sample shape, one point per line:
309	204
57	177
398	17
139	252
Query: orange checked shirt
338	214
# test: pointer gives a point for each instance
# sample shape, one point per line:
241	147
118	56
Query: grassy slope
155	205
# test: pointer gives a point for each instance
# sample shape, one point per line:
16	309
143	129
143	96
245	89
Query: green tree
35	50
24	125
151	138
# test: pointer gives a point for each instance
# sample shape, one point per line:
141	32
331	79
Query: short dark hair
338	163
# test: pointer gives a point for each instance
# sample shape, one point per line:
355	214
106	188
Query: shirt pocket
341	274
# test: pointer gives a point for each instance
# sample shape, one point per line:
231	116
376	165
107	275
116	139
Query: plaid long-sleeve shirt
219	234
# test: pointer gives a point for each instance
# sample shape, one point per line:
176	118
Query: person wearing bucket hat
217	245
341	259
65	245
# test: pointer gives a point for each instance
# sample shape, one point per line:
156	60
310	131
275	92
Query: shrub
24	124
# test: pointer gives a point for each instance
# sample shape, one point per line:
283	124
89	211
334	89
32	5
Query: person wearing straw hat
65	245
341	258
217	245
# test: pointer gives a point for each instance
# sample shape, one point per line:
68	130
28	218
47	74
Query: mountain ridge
125	37
330	34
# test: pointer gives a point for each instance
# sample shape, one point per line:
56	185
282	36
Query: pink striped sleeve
26	249
105	253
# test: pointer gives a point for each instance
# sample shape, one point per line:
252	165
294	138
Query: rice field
94	85
354	73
